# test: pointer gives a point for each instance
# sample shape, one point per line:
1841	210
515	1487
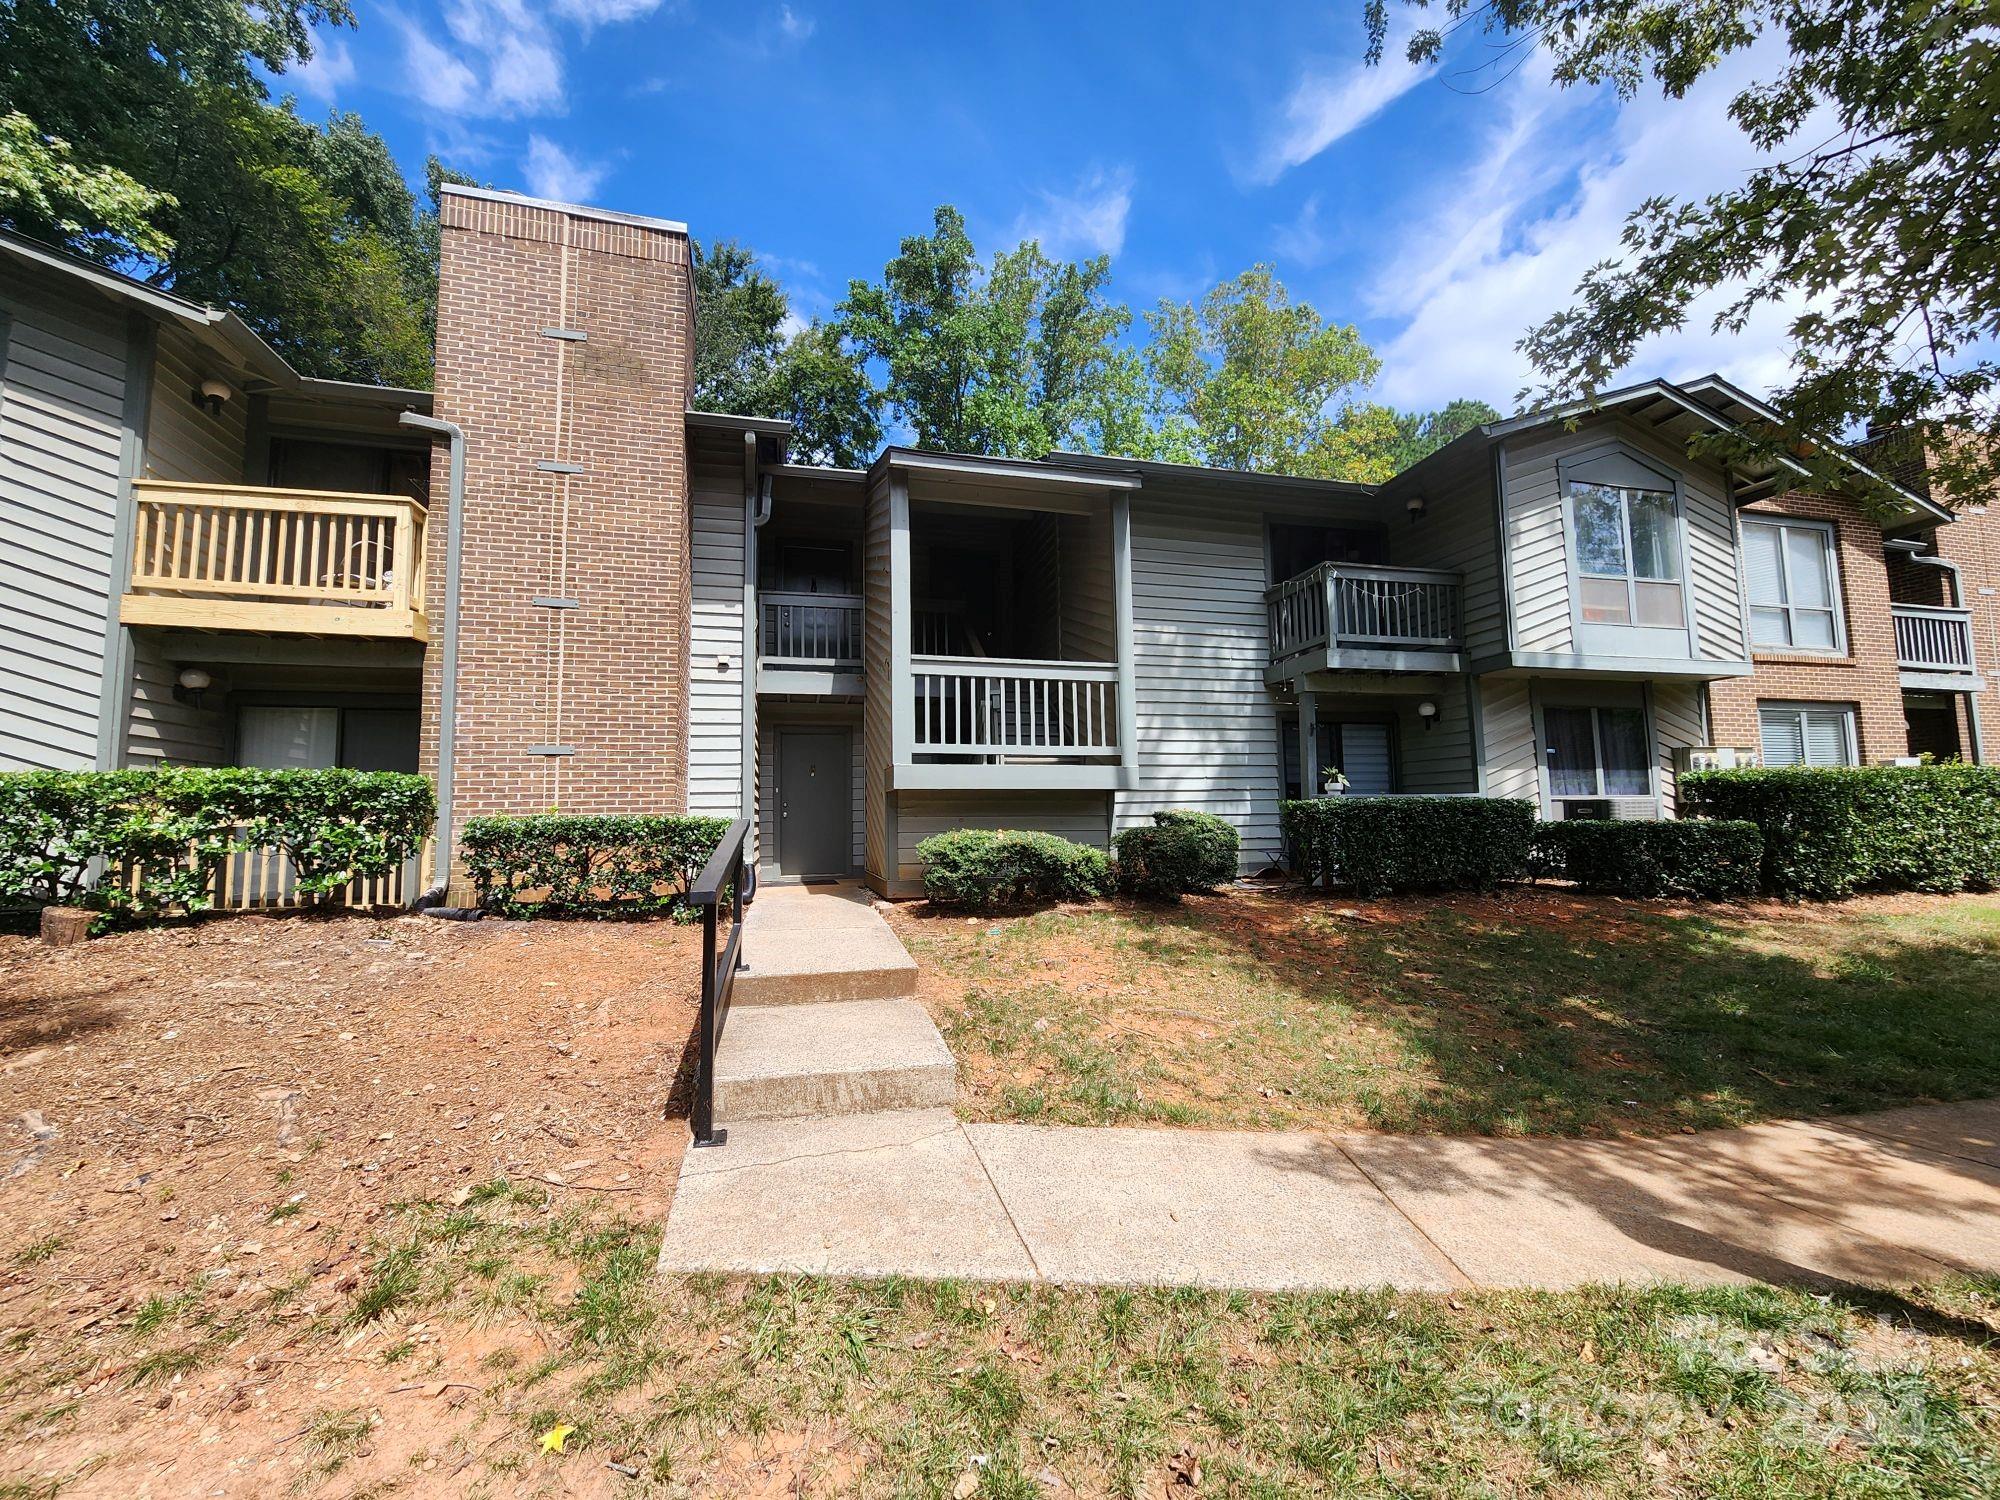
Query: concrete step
795	960
842	1057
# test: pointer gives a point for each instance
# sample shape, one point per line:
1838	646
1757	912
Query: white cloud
1505	242
553	173
329	70
1302	241
503	57
1087	220
1329	103
602	12
794	27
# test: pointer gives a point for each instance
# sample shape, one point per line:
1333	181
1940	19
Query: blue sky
1441	211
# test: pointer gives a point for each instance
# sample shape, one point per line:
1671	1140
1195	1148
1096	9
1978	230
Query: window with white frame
1806	734
1597	752
1628	552
1793	579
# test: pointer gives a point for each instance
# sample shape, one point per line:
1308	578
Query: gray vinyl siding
1456	532
1089	623
1438	759
1539	552
1507	726
62	428
1538	591
715	698
770	723
878	727
1680	719
1208	725
184	443
1081	817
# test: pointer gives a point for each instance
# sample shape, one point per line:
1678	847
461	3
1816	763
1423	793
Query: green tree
1012	359
739	329
1249	379
823	390
1421	433
1872	220
309	231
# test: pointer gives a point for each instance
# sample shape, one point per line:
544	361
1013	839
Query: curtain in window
1655	539
1622	732
1572	752
288	738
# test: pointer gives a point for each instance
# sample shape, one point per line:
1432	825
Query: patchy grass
537	1315
1530	1012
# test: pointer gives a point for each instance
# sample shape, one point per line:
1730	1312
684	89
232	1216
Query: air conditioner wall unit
1716	758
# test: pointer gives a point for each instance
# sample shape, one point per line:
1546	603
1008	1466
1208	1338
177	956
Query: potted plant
1332	782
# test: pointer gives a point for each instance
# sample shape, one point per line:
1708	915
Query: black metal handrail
724	880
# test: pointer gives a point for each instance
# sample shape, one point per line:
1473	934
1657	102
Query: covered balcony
1934	647
283	561
1364	617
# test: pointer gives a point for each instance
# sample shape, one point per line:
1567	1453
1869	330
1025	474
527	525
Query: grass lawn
1528	1012
476	1330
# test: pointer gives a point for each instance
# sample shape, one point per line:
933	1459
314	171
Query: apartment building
552	584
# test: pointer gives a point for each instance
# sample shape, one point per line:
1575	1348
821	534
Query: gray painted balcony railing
980	706
1930	638
811	630
1351	605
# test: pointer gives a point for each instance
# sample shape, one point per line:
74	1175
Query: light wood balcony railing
296	562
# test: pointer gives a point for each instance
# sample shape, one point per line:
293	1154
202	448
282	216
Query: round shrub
1183	851
981	869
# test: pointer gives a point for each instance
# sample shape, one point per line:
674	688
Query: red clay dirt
164	1092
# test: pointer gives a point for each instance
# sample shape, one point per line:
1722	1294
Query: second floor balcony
1362	617
294	562
1933	642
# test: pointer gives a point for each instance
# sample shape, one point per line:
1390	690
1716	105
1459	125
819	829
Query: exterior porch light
211	394
1415	506
1428	712
191	684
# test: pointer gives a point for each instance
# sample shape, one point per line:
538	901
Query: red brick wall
1864	678
1973	542
611	677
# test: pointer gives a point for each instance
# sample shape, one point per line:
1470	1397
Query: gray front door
815	802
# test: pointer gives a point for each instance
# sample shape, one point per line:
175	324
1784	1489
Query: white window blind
1806	736
1789	569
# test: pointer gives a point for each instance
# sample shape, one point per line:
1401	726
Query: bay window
1628	553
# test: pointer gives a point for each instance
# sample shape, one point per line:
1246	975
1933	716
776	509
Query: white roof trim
580	210
1003	470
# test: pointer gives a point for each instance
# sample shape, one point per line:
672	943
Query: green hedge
980	869
1709	860
143	844
1182	851
556	865
1379	845
1835	830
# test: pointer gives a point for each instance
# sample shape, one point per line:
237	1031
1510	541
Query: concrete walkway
1881	1199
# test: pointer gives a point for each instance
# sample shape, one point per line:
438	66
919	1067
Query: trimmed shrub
1709	860
142	844
556	865
1830	831
980	869
1379	845
1183	851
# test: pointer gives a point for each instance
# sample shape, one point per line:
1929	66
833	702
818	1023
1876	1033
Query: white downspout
448	659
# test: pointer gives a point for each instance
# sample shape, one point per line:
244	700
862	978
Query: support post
1308	744
1121	599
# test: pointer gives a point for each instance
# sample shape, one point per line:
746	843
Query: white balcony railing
1354	606
1930	638
811	630
213	556
995	708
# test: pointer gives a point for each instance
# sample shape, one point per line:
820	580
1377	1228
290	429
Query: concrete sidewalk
1881	1199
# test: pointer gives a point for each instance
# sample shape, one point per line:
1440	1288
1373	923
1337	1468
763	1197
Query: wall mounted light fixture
191	684
1428	712
1415	506
211	394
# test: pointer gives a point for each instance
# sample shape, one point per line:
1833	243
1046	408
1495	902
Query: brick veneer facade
1864	678
608	678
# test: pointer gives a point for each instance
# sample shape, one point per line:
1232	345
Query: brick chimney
565	351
